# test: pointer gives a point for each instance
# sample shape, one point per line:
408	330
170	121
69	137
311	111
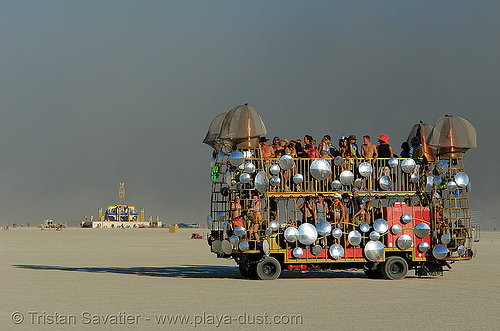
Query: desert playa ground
139	279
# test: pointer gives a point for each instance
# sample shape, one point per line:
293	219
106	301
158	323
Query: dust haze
97	93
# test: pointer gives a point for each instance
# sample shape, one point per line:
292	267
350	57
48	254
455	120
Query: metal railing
400	181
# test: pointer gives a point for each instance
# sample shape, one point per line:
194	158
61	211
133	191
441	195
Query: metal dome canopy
212	137
453	136
242	125
421	132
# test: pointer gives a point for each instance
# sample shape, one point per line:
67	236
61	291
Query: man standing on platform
358	208
369	149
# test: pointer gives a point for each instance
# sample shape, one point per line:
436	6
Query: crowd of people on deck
339	210
347	148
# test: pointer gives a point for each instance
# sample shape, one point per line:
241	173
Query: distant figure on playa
368	149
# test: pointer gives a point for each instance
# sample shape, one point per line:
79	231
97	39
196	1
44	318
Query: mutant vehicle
297	213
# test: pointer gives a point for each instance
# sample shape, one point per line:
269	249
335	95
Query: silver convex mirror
374	235
451	186
307	234
408	165
423	247
316	250
320	169
239	231
245	178
286	162
323	228
298	252
396	229
243	246
365	169
274	181
336	251
374	250
445	239
380	225
393	162
236	158
274	169
261	182
404	242
462	179
298	179
249	168
406	218
234	240
354	238
385	183
440	251
291	234
364	227
337	233
422	230
338	161
336	185
346	177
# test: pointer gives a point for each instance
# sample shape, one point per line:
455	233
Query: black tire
268	269
248	271
374	273
395	267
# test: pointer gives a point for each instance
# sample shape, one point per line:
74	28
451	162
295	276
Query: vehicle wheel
374	274
268	269
248	271
395	267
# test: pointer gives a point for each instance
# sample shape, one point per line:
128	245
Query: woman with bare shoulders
236	208
313	151
338	214
290	149
280	150
236	214
308	210
324	147
344	149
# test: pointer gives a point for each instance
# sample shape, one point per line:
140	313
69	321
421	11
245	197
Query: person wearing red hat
384	149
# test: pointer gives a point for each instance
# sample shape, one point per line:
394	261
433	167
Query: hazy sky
94	93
